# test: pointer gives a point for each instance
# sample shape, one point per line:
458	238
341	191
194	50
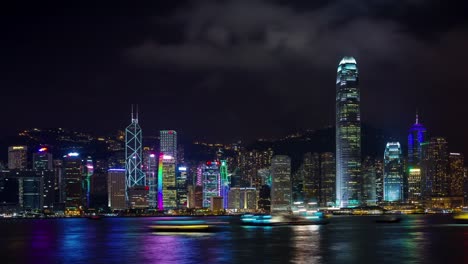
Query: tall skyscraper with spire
348	134
417	141
135	178
416	138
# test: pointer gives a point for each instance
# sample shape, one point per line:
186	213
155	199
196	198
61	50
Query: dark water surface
417	239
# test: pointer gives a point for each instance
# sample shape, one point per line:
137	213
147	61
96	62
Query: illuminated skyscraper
181	184
281	186
116	189
368	177
416	139
456	174
310	170
211	182
414	184
150	168
73	174
167	188
348	134
168	143
435	168
327	178
393	173
17	157
42	163
42	160
379	179
89	173
225	182
135	178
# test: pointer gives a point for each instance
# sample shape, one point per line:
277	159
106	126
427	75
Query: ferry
282	219
462	217
185	225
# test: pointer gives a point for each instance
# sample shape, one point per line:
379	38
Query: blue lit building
416	139
348	134
393	173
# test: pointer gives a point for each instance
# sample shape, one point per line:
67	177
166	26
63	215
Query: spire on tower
137	112
417	117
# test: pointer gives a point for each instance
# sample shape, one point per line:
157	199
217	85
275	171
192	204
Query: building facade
348	134
281	186
17	157
393	173
116	190
211	182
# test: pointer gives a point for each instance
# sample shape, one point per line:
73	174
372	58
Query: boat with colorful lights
283	219
185	225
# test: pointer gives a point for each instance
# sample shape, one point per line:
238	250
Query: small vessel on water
462	218
184	225
94	217
282	220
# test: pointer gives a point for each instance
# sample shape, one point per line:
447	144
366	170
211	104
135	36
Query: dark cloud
408	52
232	69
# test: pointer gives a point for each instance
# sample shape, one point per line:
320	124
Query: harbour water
346	239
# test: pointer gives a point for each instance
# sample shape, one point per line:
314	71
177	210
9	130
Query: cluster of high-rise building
429	175
140	174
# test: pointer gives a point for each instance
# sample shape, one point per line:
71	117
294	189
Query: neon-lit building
135	177
211	182
167	188
281	186
225	182
416	139
348	134
17	157
393	173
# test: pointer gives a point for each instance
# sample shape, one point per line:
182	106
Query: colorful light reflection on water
417	239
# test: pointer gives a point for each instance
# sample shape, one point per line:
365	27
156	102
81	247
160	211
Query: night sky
234	69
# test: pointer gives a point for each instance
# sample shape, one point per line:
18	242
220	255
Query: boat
184	226
94	217
392	219
461	218
281	220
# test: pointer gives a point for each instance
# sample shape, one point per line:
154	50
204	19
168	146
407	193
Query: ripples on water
417	239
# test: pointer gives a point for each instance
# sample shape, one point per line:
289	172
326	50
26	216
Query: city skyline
283	77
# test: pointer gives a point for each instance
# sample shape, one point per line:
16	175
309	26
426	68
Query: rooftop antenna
417	117
137	112
132	113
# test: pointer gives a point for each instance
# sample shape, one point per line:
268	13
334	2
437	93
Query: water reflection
417	239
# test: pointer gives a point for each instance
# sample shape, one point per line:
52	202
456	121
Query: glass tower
348	134
393	173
